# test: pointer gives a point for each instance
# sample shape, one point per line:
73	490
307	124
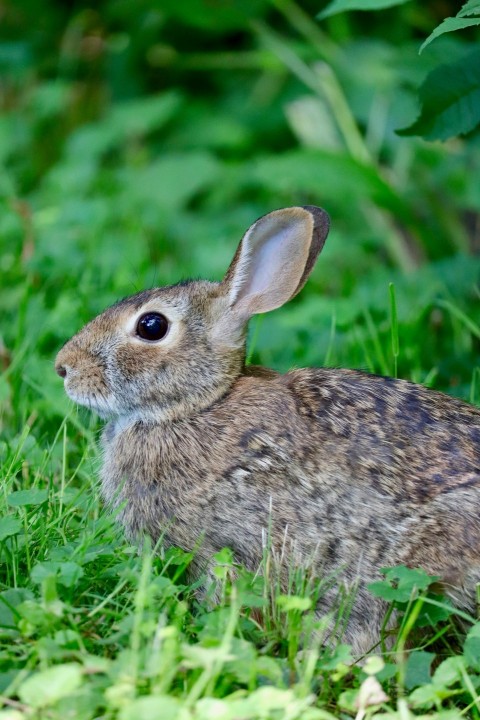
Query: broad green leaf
11	714
424	696
418	669
126	120
171	181
9	526
450	99
9	601
34	496
471	652
449	25
338	6
67	573
196	656
471	649
449	672
147	708
381	589
373	665
294	602
45	688
400	584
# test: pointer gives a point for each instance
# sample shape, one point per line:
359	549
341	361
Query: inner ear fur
275	258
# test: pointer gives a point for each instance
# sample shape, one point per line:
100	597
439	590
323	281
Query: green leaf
127	120
171	181
471	649
67	573
418	669
384	590
9	601
400	584
338	6
11	714
471	652
373	665
424	696
146	708
449	25
450	99
449	672
34	496
9	526
327	174
45	688
294	602
472	7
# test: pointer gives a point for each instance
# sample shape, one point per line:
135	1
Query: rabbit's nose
61	370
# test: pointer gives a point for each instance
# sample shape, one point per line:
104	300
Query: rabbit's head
170	351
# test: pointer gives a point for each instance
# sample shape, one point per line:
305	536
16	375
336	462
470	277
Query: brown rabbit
358	471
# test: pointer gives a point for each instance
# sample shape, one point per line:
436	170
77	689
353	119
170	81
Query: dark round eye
152	326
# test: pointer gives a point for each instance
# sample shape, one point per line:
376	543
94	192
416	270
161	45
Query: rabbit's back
405	440
358	470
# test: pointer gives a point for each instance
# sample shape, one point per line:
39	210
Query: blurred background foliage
139	139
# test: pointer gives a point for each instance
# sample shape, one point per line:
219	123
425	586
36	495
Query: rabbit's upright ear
275	258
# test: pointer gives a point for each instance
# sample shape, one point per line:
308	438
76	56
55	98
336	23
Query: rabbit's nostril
61	370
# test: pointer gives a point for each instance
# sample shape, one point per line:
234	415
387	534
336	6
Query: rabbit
356	471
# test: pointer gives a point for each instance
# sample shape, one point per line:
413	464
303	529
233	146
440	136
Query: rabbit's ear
275	258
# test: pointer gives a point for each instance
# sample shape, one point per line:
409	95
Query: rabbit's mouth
99	403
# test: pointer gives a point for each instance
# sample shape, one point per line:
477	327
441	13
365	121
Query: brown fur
357	471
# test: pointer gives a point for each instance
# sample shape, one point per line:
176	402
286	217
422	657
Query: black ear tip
321	226
320	216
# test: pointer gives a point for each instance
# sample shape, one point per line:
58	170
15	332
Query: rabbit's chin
103	405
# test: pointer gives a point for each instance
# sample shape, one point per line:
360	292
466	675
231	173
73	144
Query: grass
115	178
91	627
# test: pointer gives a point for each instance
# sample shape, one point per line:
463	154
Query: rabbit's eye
152	326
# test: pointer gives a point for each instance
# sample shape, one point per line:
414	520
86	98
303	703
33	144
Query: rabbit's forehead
178	303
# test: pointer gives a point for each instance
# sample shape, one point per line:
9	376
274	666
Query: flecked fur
358	471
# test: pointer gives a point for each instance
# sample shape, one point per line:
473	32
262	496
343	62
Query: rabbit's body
347	472
358	504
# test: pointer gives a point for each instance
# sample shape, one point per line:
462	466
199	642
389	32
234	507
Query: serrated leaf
449	25
9	526
45	688
338	6
34	496
450	99
472	7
